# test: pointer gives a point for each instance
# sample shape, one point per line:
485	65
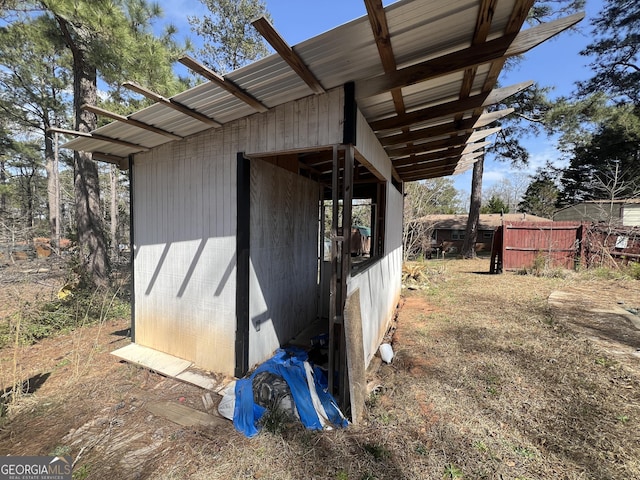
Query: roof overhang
424	72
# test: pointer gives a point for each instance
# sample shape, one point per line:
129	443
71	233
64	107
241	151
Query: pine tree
541	195
111	39
230	40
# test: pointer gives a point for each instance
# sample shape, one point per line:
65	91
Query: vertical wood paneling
372	152
310	122
380	284
313	125
284	237
185	247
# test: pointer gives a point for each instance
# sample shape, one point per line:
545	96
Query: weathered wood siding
589	212
314	121
185	211
184	254
283	257
631	215
379	284
370	151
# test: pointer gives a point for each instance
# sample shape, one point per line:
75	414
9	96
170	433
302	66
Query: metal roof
419	31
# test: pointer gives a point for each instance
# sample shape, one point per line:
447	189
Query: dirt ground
494	376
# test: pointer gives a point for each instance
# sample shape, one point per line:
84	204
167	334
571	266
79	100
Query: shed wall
184	214
380	283
283	279
314	121
631	215
370	151
589	212
184	217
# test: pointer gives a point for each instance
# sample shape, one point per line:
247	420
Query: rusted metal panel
523	242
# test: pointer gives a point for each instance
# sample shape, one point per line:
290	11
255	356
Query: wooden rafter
428	157
449	108
380	30
121	162
171	103
432	170
454	141
490	117
130	121
449	128
472	147
103	138
222	82
480	134
506	46
481	32
287	53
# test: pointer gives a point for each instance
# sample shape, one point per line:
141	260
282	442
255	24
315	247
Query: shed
231	179
623	212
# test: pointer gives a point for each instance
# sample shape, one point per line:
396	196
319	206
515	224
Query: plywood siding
631	215
184	217
589	212
369	150
380	284
314	121
283	257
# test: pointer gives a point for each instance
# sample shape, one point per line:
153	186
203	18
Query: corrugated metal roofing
419	30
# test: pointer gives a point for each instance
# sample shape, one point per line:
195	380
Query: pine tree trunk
91	240
53	195
3	181
113	176
471	233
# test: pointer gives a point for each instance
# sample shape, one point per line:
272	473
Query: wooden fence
519	245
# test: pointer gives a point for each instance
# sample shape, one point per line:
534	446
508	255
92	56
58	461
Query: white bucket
386	352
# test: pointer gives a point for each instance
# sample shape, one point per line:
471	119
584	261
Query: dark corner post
242	267
132	251
350	114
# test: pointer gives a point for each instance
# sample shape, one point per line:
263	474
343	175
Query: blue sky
556	63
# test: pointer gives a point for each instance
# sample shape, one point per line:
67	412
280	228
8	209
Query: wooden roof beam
380	30
121	162
421	171
450	108
480	134
425	147
223	83
449	128
171	103
427	157
488	118
287	53
509	45
432	165
130	121
97	136
472	147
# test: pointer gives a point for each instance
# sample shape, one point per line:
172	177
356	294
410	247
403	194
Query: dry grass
485	384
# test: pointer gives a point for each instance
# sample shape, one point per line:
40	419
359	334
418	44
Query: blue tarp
290	365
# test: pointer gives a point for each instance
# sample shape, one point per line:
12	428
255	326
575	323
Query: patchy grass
486	383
